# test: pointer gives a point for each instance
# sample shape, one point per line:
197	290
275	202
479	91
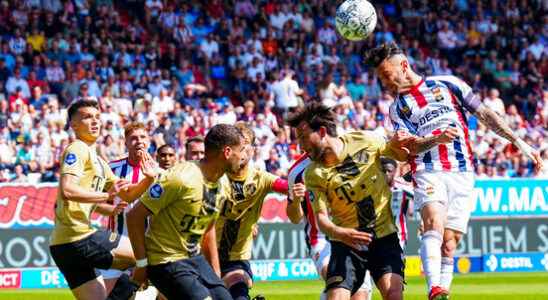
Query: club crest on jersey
155	191
70	159
430	190
438	96
250	189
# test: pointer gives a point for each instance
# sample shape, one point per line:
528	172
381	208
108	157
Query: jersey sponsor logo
438	96
70	159
250	189
434	114
155	191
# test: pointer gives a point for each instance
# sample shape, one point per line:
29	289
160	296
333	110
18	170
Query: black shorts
229	266
191	278
347	266
78	260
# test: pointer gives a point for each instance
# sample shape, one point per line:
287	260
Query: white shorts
321	253
453	190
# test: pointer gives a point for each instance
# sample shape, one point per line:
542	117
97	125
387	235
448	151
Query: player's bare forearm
209	248
72	191
421	144
105	209
135	191
136	219
325	224
294	211
494	122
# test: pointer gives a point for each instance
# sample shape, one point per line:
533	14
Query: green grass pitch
523	286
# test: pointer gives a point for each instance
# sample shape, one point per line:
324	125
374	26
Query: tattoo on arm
425	143
494	122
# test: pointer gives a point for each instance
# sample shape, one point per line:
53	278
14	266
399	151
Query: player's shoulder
314	173
76	150
183	172
362	138
447	79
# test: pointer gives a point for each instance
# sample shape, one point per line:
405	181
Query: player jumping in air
432	109
346	180
247	187
185	202
76	247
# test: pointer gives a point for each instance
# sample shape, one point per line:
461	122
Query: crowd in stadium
181	67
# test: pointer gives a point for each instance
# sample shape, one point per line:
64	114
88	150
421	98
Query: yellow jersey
73	219
241	212
183	204
354	192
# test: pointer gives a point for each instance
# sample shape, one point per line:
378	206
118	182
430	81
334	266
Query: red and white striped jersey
295	175
433	105
123	169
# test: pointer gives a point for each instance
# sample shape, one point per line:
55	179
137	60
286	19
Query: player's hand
298	192
448	135
531	154
119	208
353	238
148	165
119	186
140	277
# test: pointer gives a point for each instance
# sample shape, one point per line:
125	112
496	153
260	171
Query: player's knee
237	276
239	291
393	293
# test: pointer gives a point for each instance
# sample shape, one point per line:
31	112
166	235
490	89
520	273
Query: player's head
249	140
389	167
136	137
195	148
313	125
391	65
225	144
166	156
84	119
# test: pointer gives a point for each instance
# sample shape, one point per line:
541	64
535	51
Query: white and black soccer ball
356	19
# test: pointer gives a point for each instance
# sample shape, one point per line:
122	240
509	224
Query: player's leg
386	265
431	197
366	290
237	278
320	254
460	187
123	257
178	280
110	277
92	290
345	272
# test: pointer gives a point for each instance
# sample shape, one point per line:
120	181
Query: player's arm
136	220
494	122
209	248
349	236
294	210
71	190
106	209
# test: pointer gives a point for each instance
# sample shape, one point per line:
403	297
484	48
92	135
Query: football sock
446	272
431	257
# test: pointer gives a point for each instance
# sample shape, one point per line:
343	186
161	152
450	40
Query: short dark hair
377	55
165	146
388	161
220	136
194	139
74	107
315	115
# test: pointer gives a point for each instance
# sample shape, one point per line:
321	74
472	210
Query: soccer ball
356	19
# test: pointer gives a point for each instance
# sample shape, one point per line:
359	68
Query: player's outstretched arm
209	248
349	236
494	122
136	219
72	191
294	210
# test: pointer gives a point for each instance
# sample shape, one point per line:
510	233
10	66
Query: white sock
446	272
431	257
